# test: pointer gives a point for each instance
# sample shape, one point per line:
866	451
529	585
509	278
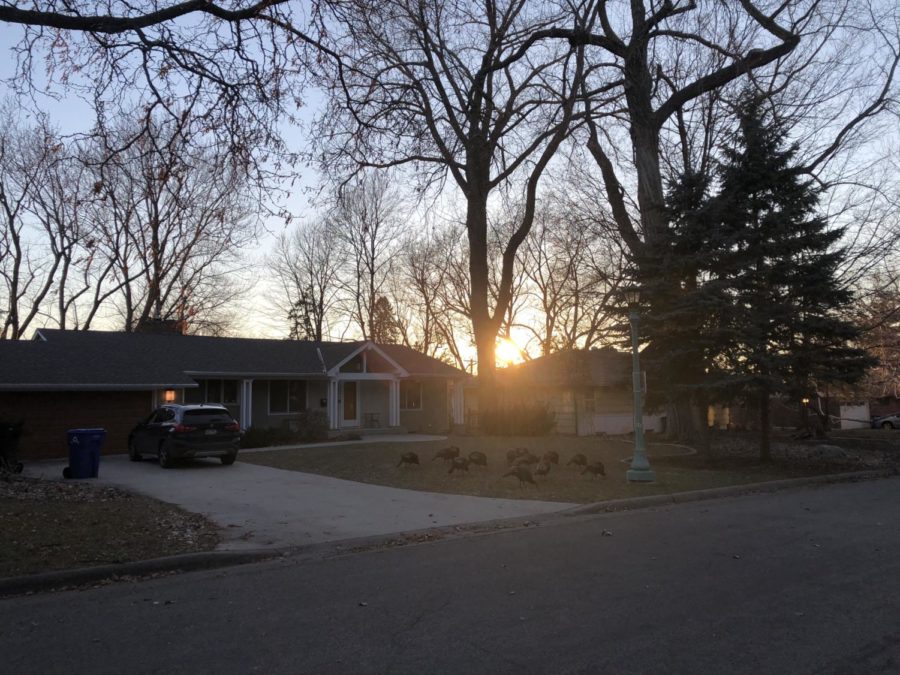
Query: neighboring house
66	379
589	391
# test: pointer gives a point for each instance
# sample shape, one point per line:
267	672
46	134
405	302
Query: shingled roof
84	360
572	368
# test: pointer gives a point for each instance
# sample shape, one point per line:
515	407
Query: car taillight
234	426
181	428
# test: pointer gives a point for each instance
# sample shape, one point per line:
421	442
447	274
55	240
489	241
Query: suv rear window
207	415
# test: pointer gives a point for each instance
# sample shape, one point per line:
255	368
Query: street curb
650	501
188	562
191	562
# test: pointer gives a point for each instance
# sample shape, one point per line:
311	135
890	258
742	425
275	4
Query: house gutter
95	387
244	374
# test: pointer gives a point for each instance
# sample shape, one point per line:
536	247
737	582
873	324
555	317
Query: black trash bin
84	452
10	432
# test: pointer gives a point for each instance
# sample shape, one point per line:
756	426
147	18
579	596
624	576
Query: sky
71	114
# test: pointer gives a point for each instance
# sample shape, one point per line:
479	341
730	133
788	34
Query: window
196	394
229	391
287	396
354	365
213	391
410	395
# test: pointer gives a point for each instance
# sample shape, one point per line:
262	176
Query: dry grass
376	463
55	525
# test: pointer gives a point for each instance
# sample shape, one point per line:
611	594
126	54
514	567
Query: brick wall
47	416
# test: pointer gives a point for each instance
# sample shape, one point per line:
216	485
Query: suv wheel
165	459
133	454
887	425
228	460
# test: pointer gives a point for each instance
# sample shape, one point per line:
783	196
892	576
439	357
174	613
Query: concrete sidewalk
261	507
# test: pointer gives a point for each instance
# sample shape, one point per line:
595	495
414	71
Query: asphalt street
802	581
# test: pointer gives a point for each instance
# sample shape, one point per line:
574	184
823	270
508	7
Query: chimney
161	326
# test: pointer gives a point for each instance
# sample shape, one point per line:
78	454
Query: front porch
371	403
366	392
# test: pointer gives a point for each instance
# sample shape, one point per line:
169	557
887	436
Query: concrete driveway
260	507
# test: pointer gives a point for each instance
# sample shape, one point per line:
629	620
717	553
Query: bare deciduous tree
452	88
367	221
33	244
574	273
307	263
178	220
878	312
239	68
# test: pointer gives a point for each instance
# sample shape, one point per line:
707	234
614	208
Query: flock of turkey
521	462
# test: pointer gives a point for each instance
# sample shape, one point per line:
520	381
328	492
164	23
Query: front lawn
376	463
49	525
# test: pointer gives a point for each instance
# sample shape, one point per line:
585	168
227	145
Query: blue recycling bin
84	452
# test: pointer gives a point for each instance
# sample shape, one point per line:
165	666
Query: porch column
246	404
394	404
457	403
333	419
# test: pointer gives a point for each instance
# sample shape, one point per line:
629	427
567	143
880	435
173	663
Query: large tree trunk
700	408
765	431
484	326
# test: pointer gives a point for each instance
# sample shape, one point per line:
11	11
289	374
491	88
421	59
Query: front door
350	397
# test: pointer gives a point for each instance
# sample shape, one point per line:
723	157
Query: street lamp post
640	471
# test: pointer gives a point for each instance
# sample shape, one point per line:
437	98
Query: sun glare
507	353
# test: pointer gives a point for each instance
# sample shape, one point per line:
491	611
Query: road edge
727	491
190	562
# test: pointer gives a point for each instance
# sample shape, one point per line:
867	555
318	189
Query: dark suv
175	432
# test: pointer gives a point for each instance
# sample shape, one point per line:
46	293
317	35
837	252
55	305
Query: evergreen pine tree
684	308
384	327
300	319
781	330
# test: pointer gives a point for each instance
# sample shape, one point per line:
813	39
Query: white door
349	404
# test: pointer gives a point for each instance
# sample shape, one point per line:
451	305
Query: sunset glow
507	353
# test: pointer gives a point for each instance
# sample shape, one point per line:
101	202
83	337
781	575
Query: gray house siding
434	416
316	392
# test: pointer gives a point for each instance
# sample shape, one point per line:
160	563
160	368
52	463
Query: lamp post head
632	295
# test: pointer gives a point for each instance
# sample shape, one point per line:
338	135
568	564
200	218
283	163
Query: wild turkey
551	457
408	458
459	464
515	454
526	459
523	473
595	469
542	469
578	460
479	458
447	454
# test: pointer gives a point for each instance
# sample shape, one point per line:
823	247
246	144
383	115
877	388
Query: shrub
517	420
304	427
312	425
